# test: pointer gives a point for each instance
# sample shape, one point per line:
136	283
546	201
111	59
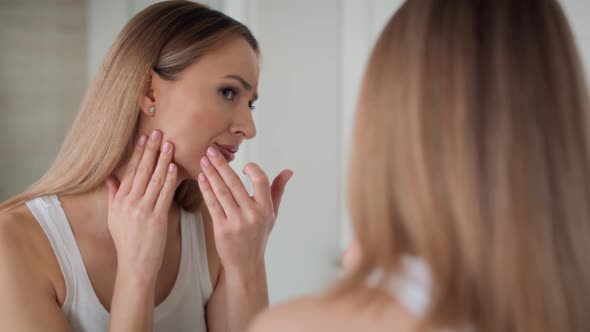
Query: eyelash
234	92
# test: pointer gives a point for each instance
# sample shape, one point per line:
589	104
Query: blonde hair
471	152
166	37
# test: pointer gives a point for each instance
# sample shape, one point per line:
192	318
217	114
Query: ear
148	99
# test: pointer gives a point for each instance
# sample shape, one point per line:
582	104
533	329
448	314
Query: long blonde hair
471	152
166	37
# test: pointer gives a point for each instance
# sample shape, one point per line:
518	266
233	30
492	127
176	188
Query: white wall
578	12
298	120
299	126
42	80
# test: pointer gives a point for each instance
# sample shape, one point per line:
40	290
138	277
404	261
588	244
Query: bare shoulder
346	313
25	248
18	230
28	275
282	317
22	239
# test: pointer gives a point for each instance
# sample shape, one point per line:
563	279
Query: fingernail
166	147
141	141
205	162
155	135
171	168
211	152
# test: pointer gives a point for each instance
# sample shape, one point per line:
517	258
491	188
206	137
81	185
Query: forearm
246	296
132	307
238	298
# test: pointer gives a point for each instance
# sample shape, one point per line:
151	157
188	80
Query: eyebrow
243	82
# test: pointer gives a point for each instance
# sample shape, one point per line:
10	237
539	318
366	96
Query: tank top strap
49	214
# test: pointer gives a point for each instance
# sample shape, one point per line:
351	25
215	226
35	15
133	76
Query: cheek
192	134
191	139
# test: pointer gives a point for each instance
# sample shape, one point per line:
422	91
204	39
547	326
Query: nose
243	124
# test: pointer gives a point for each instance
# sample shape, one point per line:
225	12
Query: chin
189	167
188	174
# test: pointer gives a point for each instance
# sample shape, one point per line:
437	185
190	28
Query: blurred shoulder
348	312
296	315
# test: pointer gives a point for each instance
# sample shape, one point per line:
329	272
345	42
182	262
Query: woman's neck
88	212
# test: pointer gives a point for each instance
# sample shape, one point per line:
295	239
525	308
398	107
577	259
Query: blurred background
313	55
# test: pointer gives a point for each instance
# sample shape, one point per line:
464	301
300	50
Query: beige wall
42	81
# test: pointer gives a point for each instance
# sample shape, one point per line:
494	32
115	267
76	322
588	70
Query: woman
118	225
469	178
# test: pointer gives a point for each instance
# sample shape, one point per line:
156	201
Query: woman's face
208	105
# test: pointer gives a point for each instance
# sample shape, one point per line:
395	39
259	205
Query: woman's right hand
138	207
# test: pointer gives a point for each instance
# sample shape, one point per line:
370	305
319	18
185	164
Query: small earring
152	109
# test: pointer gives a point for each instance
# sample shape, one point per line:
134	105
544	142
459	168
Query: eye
252	107
228	93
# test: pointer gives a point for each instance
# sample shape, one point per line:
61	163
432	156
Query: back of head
166	38
471	151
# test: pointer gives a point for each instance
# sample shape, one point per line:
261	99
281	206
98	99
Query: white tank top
411	287
182	310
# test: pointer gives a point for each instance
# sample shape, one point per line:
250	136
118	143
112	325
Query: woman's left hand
241	223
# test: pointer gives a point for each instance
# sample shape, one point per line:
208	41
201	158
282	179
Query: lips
228	151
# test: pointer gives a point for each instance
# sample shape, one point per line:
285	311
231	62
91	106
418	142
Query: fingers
161	175
127	181
213	205
260	184
166	194
231	179
219	188
225	194
278	188
158	186
146	165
